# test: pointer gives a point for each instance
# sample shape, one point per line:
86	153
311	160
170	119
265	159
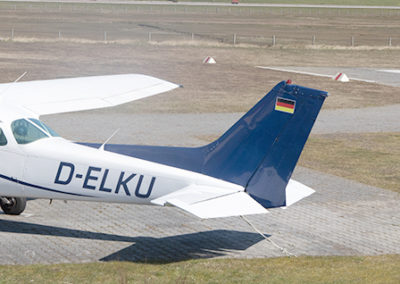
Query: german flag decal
285	105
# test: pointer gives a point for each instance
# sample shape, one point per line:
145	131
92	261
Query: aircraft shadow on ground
9	226
206	244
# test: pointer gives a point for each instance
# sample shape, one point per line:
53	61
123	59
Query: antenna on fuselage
11	84
109	138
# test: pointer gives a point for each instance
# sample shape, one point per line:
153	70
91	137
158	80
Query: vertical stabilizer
261	150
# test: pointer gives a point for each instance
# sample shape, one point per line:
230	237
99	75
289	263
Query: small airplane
246	171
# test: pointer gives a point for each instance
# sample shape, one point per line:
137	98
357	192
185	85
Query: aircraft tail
261	150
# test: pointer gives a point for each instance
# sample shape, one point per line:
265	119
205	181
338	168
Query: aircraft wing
83	93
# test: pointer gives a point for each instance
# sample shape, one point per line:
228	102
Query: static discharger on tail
245	171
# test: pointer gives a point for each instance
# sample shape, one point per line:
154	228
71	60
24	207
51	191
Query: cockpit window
3	139
44	127
26	132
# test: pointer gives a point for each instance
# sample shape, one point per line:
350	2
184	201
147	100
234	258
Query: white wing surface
75	94
212	202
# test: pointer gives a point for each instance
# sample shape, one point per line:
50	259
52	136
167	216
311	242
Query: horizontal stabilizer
296	191
193	194
211	202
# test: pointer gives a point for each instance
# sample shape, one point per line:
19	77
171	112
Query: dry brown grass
232	85
370	158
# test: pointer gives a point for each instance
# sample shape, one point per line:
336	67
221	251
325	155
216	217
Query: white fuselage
56	168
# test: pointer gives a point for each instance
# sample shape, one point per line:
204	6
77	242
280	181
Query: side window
25	132
3	139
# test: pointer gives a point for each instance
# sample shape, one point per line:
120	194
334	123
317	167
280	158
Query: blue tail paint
259	152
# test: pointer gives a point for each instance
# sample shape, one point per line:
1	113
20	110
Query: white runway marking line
396	71
311	73
294	71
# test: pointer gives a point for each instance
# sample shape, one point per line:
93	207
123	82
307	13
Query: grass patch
372	158
369	269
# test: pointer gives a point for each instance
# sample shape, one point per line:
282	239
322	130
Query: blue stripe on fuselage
41	187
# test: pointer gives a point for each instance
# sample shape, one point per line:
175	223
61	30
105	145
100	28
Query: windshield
44	127
26	132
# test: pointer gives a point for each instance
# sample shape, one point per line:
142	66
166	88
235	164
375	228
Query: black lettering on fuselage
103	181
60	170
94	180
123	182
89	177
147	194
